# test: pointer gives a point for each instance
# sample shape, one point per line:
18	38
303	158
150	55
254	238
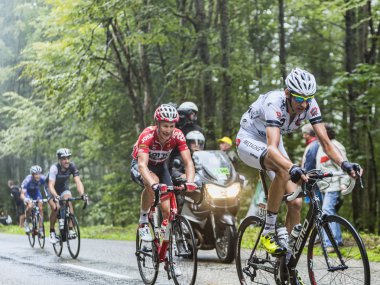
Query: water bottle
163	229
156	224
292	240
61	224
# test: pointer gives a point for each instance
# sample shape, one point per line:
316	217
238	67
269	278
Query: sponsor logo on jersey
314	111
278	115
147	137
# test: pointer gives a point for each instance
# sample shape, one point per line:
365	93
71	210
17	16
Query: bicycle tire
249	252
147	260
73	242
182	252
31	236
353	252
58	246
41	238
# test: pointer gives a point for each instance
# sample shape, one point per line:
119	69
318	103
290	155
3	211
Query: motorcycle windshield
215	166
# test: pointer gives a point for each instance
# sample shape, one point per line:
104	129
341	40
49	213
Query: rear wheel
147	260
337	260
253	264
31	234
225	243
41	231
73	236
182	252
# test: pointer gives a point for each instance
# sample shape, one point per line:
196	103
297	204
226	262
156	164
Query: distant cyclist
58	187
31	190
149	167
260	145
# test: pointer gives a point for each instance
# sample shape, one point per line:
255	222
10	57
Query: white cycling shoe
53	238
144	232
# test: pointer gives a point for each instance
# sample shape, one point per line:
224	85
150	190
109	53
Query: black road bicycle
345	263
36	225
67	231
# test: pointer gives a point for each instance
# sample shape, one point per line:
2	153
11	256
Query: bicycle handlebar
42	200
75	199
315	175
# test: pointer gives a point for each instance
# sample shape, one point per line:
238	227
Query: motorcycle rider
188	120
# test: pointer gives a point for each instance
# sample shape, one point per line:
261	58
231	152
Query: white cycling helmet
166	113
301	82
63	152
185	106
35	169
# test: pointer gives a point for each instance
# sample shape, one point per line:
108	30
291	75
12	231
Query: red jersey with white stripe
148	143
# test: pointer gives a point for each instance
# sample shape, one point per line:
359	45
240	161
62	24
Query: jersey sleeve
314	113
74	170
272	113
143	142
180	140
24	183
53	172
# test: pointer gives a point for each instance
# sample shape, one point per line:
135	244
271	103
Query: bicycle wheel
41	232
31	235
182	252
336	261
73	236
58	246
253	264
147	260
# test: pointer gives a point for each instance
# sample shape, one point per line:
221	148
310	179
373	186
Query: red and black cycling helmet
166	113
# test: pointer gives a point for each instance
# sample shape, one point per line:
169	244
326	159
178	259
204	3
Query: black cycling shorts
161	170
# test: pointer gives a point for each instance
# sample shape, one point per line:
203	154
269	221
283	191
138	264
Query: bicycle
36	225
345	263
178	240
67	222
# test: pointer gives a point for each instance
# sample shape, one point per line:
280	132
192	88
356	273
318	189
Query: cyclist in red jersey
149	167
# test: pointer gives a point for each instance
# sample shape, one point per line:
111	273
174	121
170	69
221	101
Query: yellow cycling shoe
271	244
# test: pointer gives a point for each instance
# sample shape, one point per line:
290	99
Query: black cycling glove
84	197
295	173
348	167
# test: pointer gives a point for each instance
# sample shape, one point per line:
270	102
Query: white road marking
98	271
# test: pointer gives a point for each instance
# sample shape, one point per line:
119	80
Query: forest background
88	75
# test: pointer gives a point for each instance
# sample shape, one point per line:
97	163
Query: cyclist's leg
165	178
54	208
40	206
293	215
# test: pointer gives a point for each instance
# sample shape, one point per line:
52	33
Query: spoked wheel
31	233
337	260
41	232
182	252
225	243
59	244
147	260
73	236
253	264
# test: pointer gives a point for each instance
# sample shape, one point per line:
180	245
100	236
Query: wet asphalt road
99	262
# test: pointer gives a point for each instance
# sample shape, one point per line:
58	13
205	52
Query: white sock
143	217
270	222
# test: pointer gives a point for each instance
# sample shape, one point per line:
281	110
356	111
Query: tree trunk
282	39
227	100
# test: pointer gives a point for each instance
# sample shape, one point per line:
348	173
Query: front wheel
340	258
31	234
73	236
225	243
253	264
58	246
182	252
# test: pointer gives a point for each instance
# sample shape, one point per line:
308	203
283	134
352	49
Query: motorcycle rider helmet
195	140
301	82
166	113
188	106
35	169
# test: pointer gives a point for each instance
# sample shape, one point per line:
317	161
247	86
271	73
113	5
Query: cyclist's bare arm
142	160
79	184
189	165
52	190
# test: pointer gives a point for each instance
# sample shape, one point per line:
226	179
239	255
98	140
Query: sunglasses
300	99
65	157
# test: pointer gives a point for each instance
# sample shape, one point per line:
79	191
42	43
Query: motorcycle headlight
218	192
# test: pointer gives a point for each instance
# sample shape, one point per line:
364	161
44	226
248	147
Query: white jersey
270	110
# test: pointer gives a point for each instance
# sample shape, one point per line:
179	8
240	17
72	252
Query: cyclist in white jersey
259	145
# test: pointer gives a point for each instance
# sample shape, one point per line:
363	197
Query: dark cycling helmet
197	137
166	113
35	169
63	152
301	82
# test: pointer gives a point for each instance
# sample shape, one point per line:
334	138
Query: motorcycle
212	210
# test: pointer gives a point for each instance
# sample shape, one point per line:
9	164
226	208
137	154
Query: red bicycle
178	241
